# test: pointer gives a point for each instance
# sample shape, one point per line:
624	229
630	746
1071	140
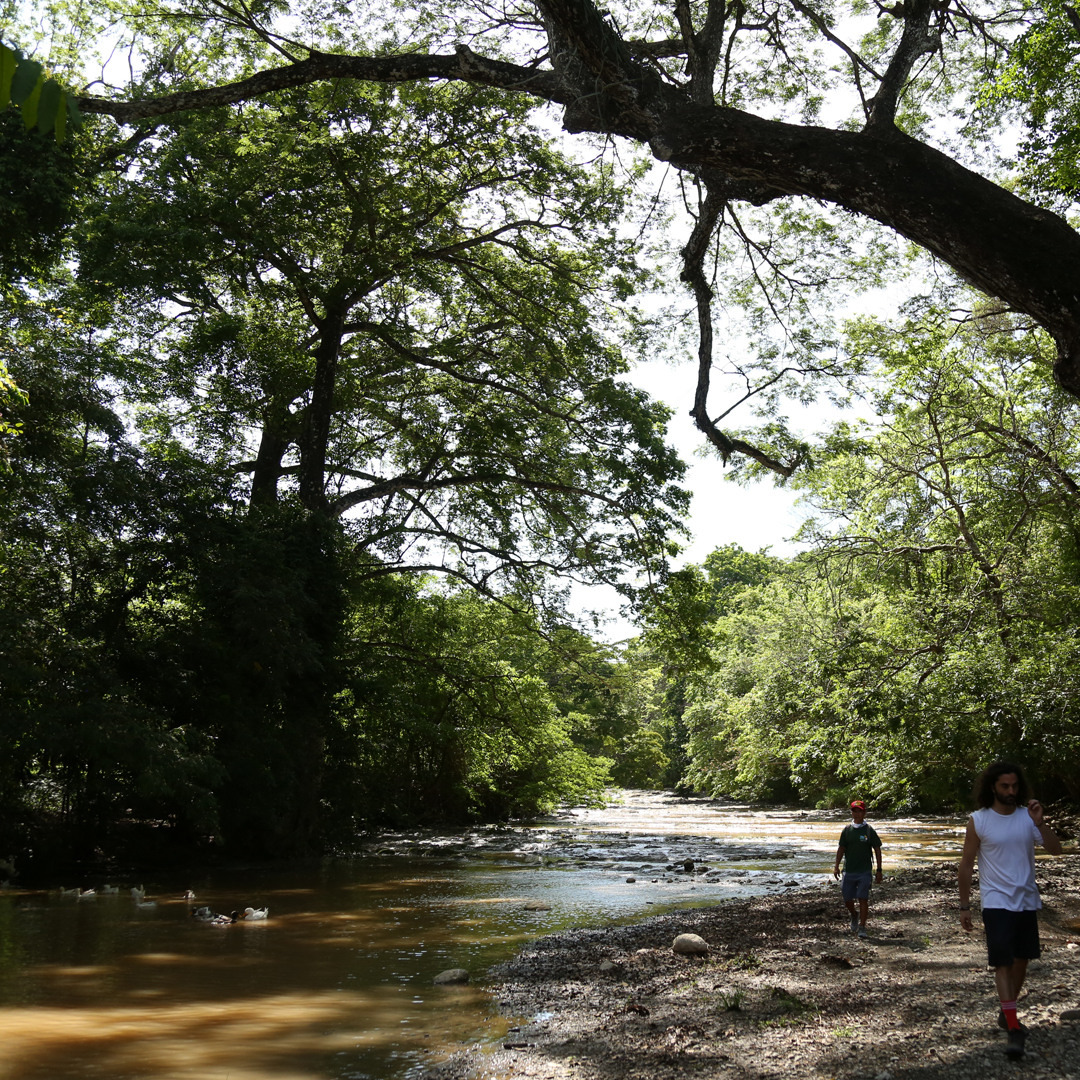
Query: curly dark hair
984	786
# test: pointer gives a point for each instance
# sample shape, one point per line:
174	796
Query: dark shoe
1015	1046
1004	1024
854	923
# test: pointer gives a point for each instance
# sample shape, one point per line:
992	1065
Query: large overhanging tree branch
1006	247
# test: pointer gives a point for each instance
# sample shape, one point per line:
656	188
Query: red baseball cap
858	804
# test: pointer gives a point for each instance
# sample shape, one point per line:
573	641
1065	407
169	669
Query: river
337	982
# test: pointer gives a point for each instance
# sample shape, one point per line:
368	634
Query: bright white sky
721	512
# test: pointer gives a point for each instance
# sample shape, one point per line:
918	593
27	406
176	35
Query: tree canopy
899	114
315	401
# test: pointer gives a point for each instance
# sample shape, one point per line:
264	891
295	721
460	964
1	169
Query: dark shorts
1010	935
856	886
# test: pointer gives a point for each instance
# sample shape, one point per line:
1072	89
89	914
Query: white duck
109	890
254	914
68	892
137	893
88	894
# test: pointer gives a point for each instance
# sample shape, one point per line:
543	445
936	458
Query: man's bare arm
1050	840
967	868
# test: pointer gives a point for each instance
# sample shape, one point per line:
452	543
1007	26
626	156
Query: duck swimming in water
206	915
255	914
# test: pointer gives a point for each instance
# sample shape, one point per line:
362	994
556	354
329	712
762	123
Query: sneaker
1015	1046
862	932
854	923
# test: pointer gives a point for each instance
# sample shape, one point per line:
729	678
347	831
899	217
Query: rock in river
536	905
690	945
451	977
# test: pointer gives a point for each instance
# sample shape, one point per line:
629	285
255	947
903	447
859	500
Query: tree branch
915	41
693	274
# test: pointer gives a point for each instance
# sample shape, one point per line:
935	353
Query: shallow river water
337	982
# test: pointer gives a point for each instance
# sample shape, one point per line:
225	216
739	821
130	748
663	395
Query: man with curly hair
1002	835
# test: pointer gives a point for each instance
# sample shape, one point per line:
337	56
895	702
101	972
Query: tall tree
408	320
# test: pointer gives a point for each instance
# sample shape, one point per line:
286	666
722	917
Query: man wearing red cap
859	846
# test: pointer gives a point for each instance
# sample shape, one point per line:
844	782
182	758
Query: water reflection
338	981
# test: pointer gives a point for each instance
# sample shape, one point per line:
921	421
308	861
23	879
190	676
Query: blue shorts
856	886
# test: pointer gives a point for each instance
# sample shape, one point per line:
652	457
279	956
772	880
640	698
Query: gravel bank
788	991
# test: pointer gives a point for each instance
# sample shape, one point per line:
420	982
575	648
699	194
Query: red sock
1009	1009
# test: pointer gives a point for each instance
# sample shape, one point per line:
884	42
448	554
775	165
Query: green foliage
1040	83
88	622
38	183
929	628
444	712
43	102
398	314
249	666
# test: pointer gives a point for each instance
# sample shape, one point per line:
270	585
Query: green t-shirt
858	842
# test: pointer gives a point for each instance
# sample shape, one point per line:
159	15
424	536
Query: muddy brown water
337	982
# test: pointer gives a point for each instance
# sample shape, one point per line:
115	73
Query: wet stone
451	977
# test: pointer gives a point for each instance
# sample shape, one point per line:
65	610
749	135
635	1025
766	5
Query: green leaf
30	105
61	116
26	80
9	61
49	104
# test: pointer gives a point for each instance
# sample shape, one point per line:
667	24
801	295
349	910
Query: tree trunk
319	413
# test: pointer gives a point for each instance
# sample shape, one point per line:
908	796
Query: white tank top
1007	859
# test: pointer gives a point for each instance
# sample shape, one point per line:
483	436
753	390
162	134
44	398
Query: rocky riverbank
788	991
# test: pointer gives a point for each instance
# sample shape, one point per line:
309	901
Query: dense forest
317	342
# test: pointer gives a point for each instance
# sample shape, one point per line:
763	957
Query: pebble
631	880
536	905
1070	1014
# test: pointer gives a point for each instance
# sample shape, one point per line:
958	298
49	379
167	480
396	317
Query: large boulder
690	945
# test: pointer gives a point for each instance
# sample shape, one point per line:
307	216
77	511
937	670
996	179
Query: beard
1005	800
